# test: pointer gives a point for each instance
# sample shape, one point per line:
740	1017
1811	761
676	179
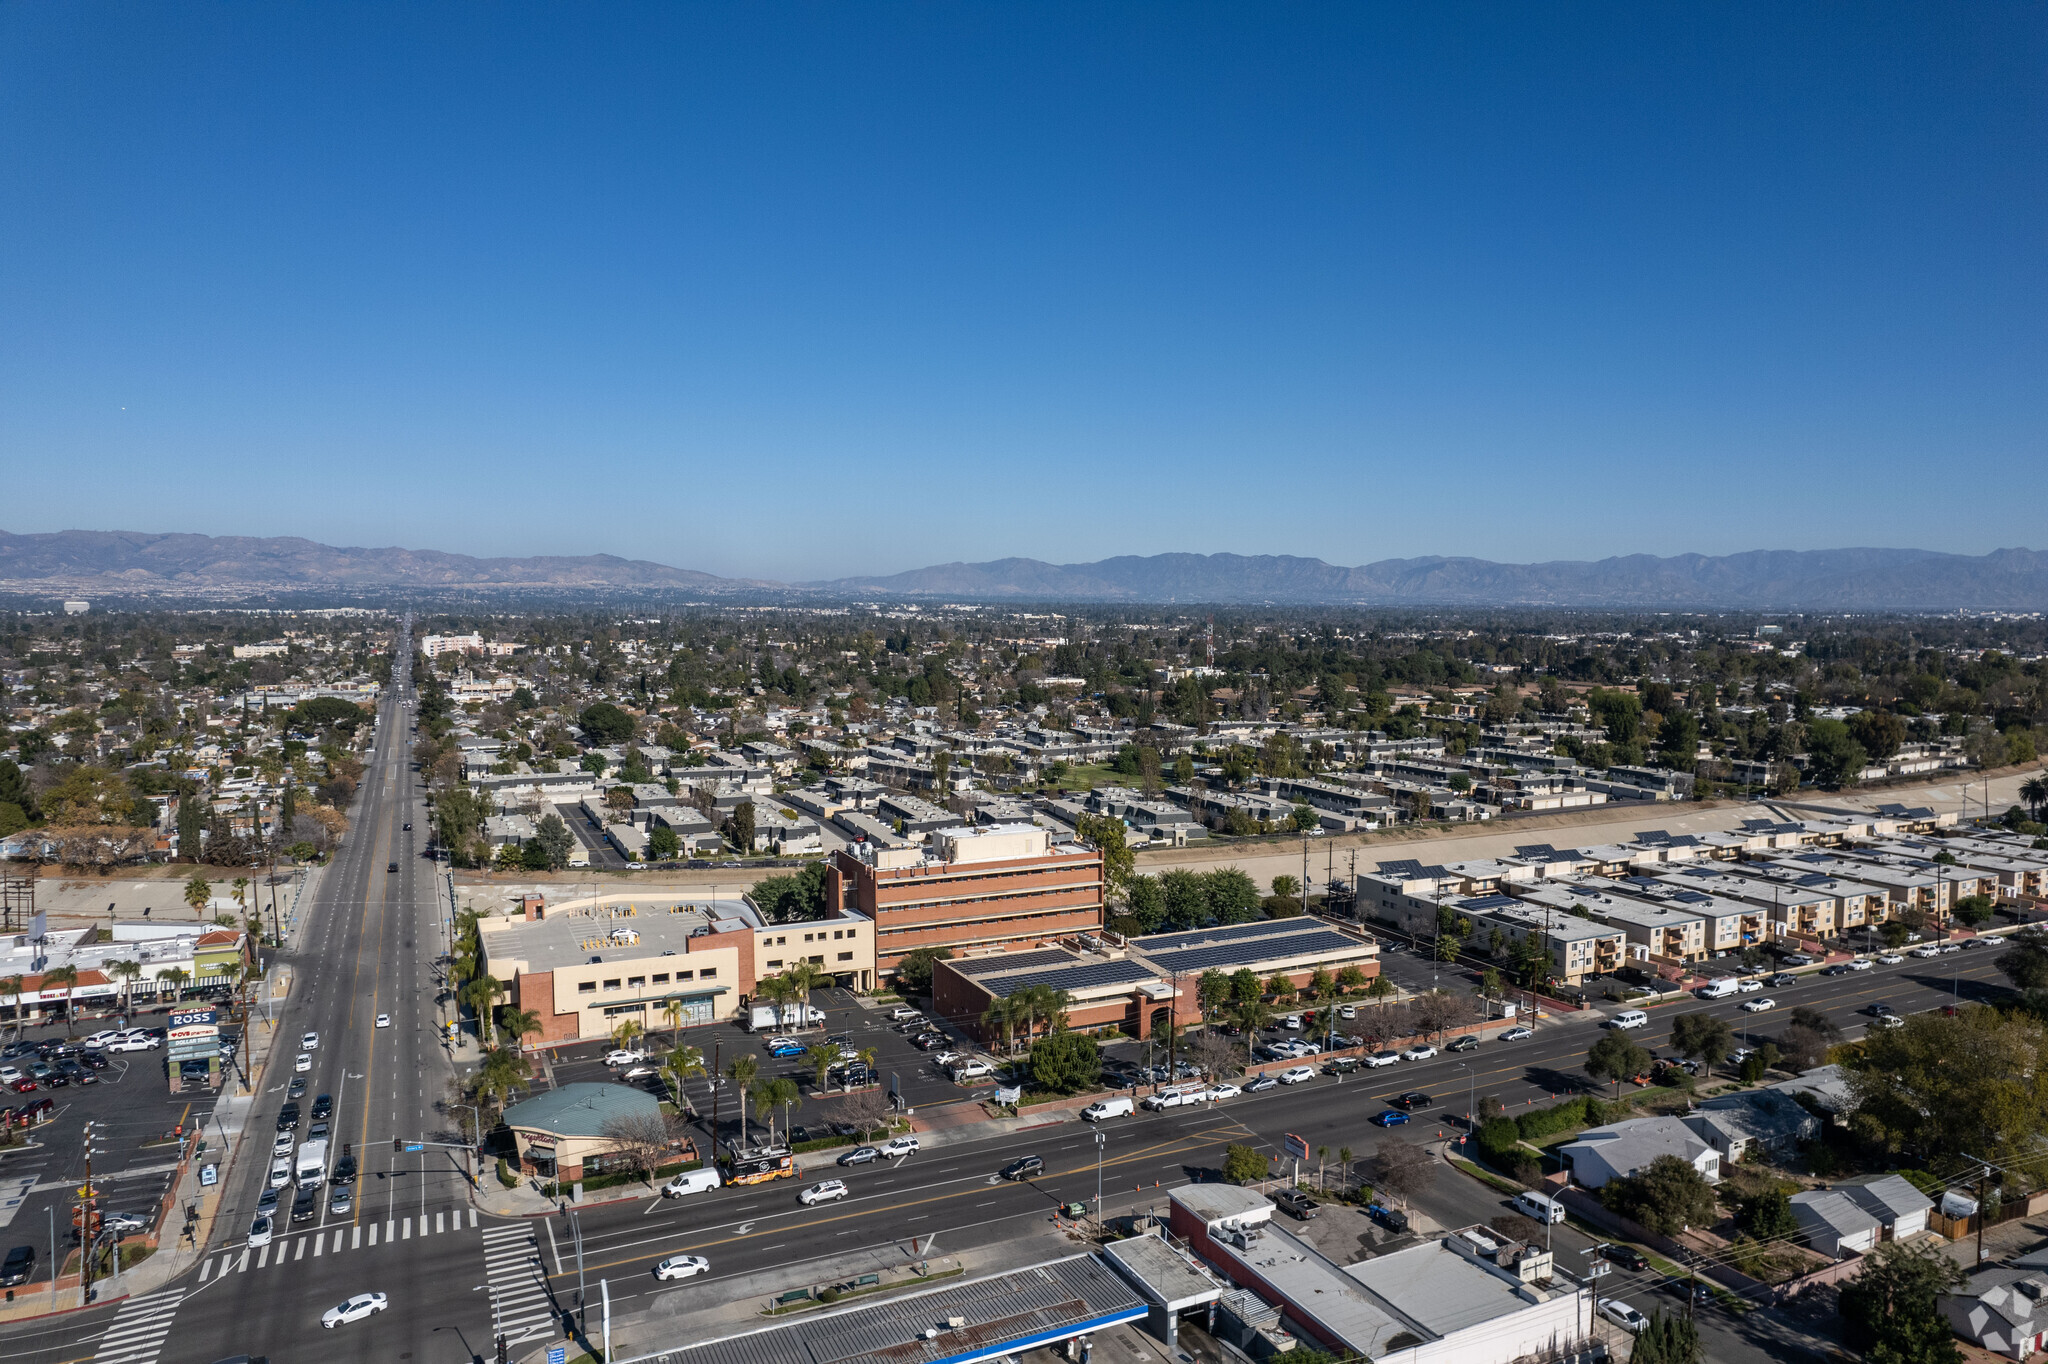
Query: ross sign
1297	1146
187	1024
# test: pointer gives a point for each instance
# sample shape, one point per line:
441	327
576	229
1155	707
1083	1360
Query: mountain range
134	564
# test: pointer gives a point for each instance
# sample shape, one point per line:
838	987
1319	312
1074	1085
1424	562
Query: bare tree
1438	1010
644	1140
1214	1053
1401	1169
867	1110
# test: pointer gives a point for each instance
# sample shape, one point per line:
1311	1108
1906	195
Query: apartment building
967	889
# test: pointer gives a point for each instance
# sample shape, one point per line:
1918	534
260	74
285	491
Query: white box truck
310	1166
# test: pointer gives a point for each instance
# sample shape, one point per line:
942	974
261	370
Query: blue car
786	1049
1392	1117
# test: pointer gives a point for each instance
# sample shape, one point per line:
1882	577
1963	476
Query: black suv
344	1169
19	1267
306	1204
288	1118
1412	1100
392	867
323	1106
1628	1257
1023	1167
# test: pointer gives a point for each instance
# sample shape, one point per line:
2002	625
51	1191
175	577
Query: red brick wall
535	991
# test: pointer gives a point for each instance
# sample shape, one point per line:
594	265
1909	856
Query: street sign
414	1146
558	1355
1297	1146
1009	1096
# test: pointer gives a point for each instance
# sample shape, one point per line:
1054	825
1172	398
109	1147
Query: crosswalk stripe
356	1238
437	1220
206	1268
390	1228
472	1217
138	1331
263	1257
337	1241
319	1242
405	1230
300	1253
373	1234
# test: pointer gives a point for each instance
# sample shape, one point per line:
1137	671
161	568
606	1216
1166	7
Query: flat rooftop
636	928
1004	1314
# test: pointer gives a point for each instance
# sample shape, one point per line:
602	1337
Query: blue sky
804	290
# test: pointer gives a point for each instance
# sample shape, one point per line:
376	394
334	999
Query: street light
1471	1087
1100	1139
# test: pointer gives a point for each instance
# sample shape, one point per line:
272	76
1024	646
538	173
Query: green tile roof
580	1110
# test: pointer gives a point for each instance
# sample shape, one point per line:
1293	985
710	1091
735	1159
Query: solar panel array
1010	961
1406	866
1173	942
1081	976
1535	850
1245	953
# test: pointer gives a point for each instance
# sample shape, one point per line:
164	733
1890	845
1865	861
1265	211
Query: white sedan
1518	1034
1421	1053
641	1072
1750	987
259	1232
1861	964
310	1042
682	1267
824	1191
1757	1006
1223	1091
354	1309
383	1020
1891	959
303	1064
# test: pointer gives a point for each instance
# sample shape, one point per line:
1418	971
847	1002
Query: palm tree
778	1092
520	1024
175	977
1001	1017
821	1057
868	1057
66	976
624	1034
1343	1169
684	1063
1057	1003
1251	1016
780	991
501	1074
2034	791
480	994
11	987
672	1012
743	1071
127	972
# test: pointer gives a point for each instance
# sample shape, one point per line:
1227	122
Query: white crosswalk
335	1241
139	1328
519	1282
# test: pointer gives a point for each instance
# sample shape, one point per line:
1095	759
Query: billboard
1297	1147
187	1024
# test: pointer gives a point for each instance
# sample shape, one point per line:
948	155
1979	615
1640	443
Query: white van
1719	989
689	1182
1106	1108
1542	1207
1630	1018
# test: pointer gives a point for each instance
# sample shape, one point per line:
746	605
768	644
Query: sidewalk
682	1315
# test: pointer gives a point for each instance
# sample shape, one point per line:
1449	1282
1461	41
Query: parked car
897	1147
1393	1219
1260	1084
1891	959
1382	1058
1628	1257
1860	964
19	1266
1622	1315
626	1056
1421	1053
1798	959
1781	980
903	1013
1466	1043
1297	1203
1340	1065
1518	1034
859	1155
1297	1075
1749	987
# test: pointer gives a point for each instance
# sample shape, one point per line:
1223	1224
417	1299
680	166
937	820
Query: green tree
1145	904
198	890
1680	739
1613	1057
1118	860
684	1063
555	841
604	723
1066	1062
780	1092
662	844
914	970
1212	991
1968	1087
519	1024
1666	1196
1243	1165
501	1075
1768	1216
1667	1338
794	898
739	827
1972	910
1836	757
1704	1037
66	976
1233	897
1889	1310
2024	961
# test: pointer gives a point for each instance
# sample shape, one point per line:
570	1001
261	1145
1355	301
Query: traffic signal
397	1146
504	1354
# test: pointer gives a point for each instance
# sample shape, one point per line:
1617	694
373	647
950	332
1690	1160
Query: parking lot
915	1073
135	1151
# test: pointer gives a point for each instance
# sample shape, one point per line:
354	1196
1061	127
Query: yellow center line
369	1065
1191	1142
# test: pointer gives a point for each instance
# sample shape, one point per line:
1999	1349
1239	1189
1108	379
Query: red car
23	1086
41	1108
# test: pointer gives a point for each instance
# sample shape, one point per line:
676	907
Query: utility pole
576	1227
1100	1139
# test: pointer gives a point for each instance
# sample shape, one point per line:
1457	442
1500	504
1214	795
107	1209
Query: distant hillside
126	563
130	562
1832	580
